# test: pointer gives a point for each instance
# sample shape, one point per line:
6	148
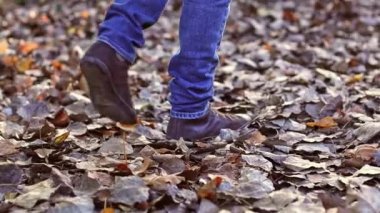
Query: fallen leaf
313	147
277	200
160	182
354	79
127	127
367	131
374	92
304	204
208	190
57	64
129	191
252	184
326	122
73	204
77	128
28	47
256	138
10	174
7	148
43	153
108	210
33	110
85	14
289	124
34	193
61	118
115	146
24	64
9	60
368	200
61	138
258	161
170	163
289	15
297	164
3	47
85	185
368	170
141	169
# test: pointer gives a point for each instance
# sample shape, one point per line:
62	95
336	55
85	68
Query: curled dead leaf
126	127
61	118
326	122
143	167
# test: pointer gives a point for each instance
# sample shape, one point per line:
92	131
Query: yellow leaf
3	46
355	78
61	138
24	64
326	122
108	210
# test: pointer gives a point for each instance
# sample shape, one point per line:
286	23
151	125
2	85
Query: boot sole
103	92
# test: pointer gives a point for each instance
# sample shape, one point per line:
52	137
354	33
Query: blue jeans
192	69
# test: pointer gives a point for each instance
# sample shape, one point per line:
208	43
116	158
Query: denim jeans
192	68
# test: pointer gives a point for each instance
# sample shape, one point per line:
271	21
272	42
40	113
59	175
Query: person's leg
124	23
192	69
106	63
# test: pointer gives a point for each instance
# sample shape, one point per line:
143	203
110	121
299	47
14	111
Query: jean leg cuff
130	57
189	115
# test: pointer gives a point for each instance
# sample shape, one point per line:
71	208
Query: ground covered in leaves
307	71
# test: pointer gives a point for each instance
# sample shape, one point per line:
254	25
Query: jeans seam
129	57
189	115
203	5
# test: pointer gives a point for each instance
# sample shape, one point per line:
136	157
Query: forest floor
308	72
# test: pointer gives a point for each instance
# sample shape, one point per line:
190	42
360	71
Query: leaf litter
293	66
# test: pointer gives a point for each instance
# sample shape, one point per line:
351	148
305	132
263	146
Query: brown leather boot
205	127
107	77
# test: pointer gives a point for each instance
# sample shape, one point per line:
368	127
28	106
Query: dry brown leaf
326	122
289	15
9	61
57	64
208	191
257	138
361	155
85	14
28	47
143	167
61	118
127	127
353	62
